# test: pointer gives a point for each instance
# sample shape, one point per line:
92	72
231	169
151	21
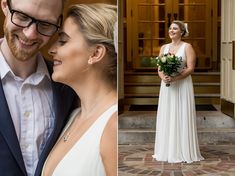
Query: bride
85	59
176	137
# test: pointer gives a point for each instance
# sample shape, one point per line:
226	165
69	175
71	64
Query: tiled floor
137	161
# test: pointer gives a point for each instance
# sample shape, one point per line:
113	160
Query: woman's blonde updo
96	22
183	27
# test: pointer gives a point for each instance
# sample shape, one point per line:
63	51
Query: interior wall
69	2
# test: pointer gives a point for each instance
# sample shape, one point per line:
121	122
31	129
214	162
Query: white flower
163	59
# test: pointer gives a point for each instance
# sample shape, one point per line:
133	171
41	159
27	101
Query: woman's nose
31	32
52	51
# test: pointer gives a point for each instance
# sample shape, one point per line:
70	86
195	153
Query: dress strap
108	113
166	49
181	50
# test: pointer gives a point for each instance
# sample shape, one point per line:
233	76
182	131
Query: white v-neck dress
84	158
176	132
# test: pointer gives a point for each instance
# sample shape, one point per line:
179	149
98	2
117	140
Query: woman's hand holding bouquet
168	64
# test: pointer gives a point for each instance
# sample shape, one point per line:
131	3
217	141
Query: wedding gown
176	132
84	159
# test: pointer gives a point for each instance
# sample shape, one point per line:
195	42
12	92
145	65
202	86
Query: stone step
205	136
152	77
138	127
143	88
151	99
199	88
147	120
137	120
158	84
156	95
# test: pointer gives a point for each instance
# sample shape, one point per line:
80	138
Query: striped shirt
30	105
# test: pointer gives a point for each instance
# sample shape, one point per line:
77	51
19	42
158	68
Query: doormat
154	108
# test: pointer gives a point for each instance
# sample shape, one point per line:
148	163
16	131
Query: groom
33	108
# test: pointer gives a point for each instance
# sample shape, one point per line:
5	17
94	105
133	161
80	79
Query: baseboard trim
227	108
121	106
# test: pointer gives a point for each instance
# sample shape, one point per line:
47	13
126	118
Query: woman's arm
160	73
108	148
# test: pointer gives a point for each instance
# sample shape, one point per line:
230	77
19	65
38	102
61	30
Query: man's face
24	42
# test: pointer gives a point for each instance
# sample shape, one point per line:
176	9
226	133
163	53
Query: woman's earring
90	62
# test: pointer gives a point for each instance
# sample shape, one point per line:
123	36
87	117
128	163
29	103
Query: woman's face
174	31
70	54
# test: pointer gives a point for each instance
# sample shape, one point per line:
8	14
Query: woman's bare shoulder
188	45
162	48
112	124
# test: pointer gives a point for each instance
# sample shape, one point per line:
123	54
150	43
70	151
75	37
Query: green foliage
145	62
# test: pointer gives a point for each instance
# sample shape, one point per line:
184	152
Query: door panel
197	14
147	29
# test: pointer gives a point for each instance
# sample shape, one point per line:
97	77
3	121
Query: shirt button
24	146
27	113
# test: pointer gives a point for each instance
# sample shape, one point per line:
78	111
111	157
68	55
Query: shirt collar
41	67
4	67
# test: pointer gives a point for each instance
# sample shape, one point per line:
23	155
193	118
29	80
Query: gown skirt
176	131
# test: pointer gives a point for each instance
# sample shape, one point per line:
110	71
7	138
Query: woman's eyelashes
63	38
62	42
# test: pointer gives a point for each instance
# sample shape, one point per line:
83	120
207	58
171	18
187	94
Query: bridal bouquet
168	64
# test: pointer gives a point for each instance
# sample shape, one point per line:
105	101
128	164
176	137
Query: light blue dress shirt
30	105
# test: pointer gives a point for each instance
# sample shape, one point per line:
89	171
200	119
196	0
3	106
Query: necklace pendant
66	137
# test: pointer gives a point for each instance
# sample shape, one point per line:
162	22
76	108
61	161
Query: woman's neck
98	103
176	42
95	95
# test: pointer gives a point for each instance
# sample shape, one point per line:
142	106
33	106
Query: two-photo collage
117	88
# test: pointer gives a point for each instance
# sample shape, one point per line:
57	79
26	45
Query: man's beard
21	54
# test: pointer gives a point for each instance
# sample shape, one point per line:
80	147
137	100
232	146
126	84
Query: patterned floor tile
138	161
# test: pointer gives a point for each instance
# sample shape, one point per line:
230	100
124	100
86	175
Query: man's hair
63	3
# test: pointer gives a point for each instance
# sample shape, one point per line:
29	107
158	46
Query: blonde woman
176	136
85	59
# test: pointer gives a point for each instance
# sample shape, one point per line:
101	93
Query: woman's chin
55	77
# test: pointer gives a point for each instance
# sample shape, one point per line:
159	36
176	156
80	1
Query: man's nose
31	31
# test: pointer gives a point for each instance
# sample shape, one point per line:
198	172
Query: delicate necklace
69	132
173	48
66	137
175	45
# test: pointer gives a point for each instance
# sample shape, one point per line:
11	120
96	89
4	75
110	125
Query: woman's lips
57	62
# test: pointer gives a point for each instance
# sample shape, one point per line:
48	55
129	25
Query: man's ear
4	7
98	54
